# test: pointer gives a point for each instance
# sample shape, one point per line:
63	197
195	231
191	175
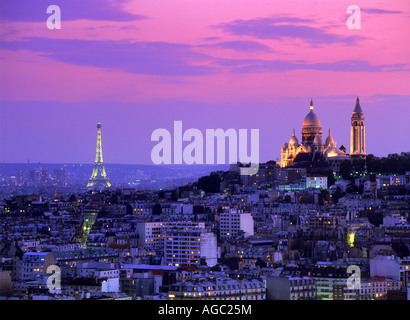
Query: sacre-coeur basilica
313	151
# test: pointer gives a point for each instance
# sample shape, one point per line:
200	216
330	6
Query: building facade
312	148
234	222
218	289
150	234
187	243
34	265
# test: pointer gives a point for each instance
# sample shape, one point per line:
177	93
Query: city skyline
138	67
254	151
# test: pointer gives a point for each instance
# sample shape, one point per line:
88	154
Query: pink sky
203	52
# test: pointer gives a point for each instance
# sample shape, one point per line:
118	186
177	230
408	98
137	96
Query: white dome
334	152
318	141
293	140
330	141
311	119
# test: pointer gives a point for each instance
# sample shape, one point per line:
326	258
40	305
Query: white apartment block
319	182
392	267
357	202
96	270
142	208
384	182
186	243
233	223
151	234
29	245
34	265
376	288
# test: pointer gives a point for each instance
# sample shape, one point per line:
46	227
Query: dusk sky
140	65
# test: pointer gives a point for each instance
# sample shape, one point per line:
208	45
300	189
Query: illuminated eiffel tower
99	176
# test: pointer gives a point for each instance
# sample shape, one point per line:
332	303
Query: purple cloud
379	11
246	46
35	10
210	38
285	27
258	66
155	58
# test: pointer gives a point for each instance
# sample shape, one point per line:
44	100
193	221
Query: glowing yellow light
350	240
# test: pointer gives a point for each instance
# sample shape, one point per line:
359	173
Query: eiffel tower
99	176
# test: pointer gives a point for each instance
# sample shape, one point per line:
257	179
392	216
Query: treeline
393	164
211	183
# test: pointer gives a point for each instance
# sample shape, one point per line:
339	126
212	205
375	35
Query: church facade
312	148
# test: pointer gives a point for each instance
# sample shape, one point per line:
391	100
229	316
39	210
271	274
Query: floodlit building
312	148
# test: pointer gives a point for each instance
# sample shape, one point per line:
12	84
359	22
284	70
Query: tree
174	195
211	183
330	178
337	195
345	169
375	217
161	194
156	209
114	198
197	209
129	209
359	165
260	263
392	164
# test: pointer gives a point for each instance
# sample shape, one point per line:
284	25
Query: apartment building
233	223
150	234
34	265
186	243
218	289
316	181
290	288
331	284
377	287
392	267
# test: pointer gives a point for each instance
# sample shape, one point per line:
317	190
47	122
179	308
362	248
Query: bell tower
357	132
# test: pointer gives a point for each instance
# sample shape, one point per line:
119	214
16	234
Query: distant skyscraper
99	176
357	139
